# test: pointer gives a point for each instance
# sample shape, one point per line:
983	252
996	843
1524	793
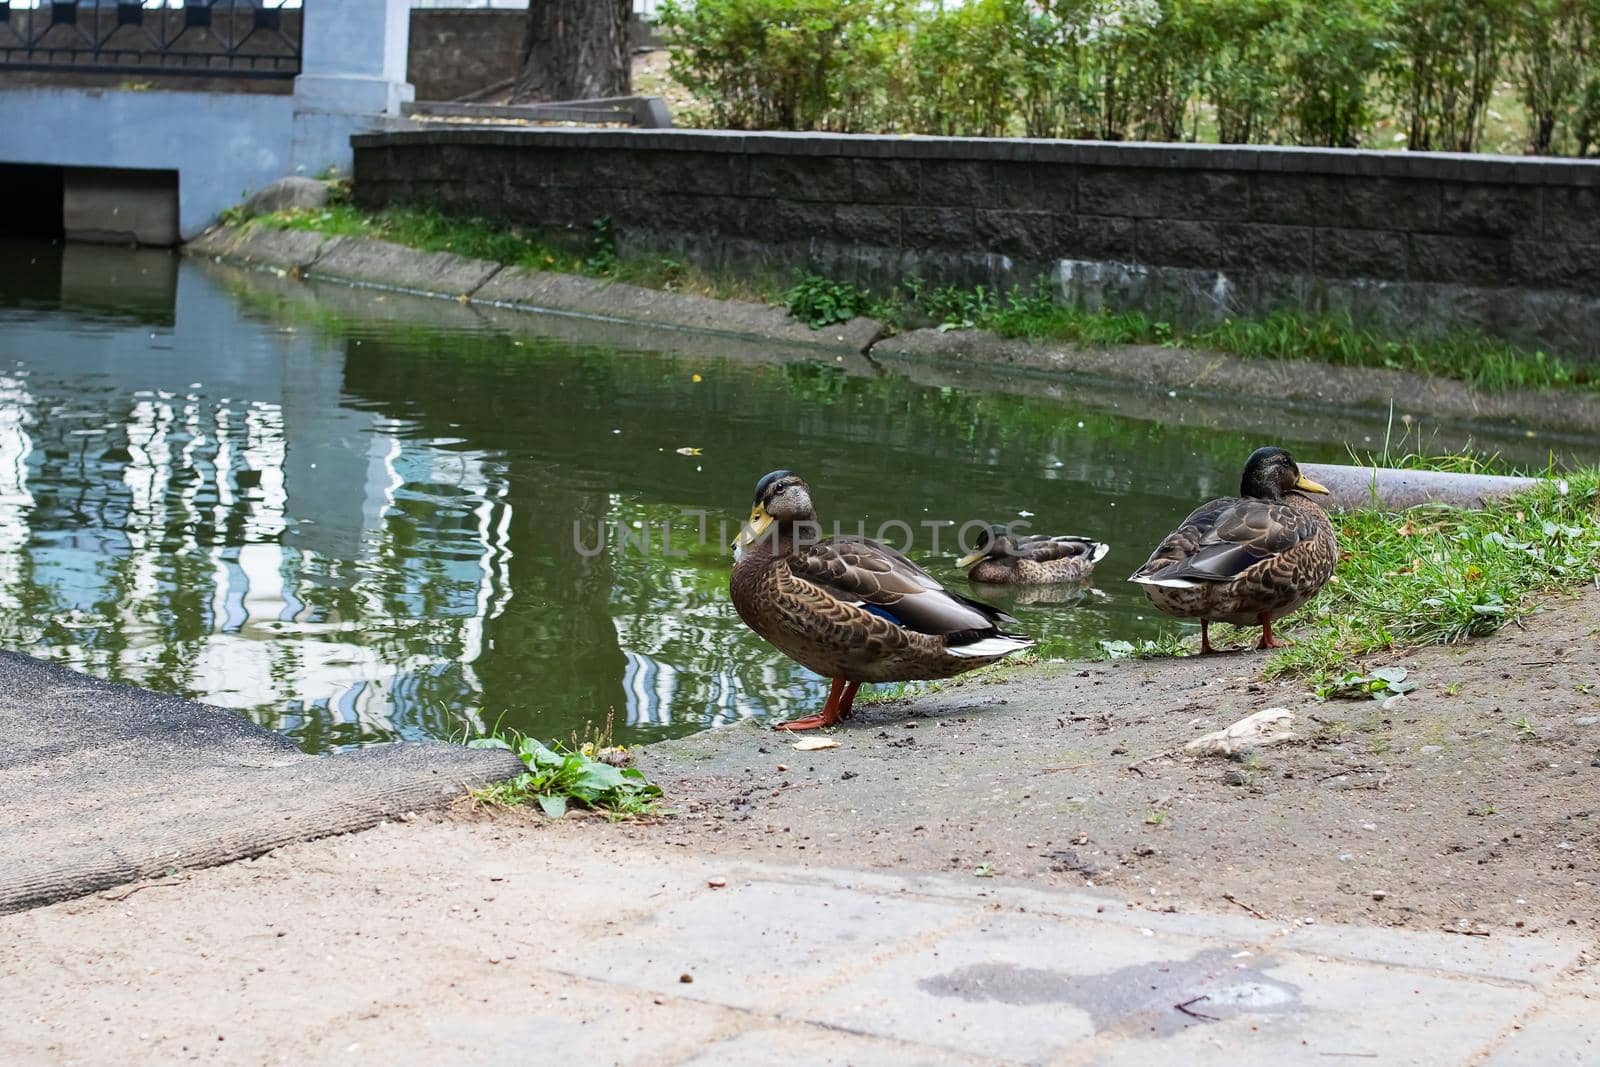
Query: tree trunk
574	50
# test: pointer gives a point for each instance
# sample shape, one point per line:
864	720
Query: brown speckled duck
849	608
1004	558
1248	559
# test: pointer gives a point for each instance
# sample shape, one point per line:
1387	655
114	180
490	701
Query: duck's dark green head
1271	472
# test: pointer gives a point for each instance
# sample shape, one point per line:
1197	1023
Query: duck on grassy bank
849	608
1004	558
1249	559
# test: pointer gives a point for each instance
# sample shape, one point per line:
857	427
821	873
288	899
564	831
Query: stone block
934	228
1033	187
1205	194
1132	192
1571	214
788	220
956	182
1556	265
1458	260
396	266
1023	234
1297	1010
743	946
1565	1031
868	224
1531	960
784	1046
709	173
1261	246
1354	202
1341	253
885	181
1179	243
1488	210
822	179
1017	989
1093	237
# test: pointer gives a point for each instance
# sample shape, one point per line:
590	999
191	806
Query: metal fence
208	38
645	9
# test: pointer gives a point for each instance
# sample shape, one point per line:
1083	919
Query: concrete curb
540	291
370	262
365	261
1298	382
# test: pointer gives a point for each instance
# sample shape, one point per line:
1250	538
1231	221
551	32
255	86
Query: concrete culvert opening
33	197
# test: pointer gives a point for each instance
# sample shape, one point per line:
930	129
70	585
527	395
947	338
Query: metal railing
204	38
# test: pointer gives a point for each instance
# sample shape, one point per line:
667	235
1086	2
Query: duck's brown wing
1222	539
1042	548
876	578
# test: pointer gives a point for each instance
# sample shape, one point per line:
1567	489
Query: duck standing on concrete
1248	559
849	608
1004	558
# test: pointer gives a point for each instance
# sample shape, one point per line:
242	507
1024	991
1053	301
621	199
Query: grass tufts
1436	575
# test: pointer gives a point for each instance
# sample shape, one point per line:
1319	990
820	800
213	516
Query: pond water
351	515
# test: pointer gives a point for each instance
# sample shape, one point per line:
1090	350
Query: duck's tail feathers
992	647
1170	583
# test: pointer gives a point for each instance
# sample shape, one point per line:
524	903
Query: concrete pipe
1353	487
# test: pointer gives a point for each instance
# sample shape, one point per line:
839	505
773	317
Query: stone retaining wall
1412	240
456	52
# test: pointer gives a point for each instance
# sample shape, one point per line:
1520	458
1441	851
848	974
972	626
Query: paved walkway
475	942
101	784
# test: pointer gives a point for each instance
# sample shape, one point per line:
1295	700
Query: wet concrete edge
1295	383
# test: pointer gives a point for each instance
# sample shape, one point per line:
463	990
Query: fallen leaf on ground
811	744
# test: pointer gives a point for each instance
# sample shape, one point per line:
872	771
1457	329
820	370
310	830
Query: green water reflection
353	518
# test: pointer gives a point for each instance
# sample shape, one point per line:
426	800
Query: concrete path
101	784
506	943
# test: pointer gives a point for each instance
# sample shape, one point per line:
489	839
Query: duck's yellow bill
966	561
1310	486
759	523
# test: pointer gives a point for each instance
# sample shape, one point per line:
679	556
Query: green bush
1443	65
1332	53
1236	71
783	64
1556	59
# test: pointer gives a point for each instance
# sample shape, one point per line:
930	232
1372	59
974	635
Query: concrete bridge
102	137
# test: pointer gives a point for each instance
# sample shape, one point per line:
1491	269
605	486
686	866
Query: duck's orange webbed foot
832	712
1267	640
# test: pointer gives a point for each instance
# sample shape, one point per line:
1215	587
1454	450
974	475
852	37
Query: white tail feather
1169	583
991	646
1100	550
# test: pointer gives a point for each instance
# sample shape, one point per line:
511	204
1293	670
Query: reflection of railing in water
210	38
188	585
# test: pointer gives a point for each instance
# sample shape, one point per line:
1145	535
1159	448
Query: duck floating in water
849	608
1004	558
1247	559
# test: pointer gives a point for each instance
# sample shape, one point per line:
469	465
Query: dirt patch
1472	804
